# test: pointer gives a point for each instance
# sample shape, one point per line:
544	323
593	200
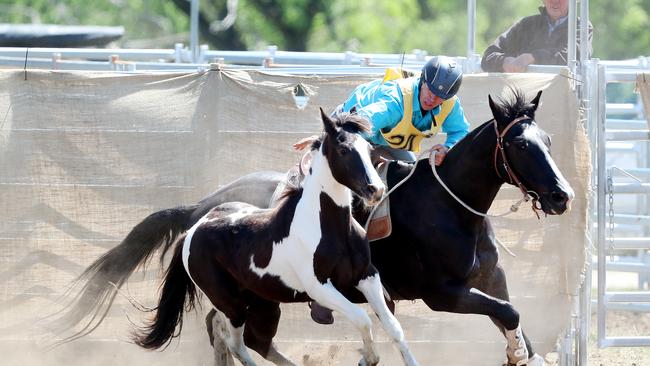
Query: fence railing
615	229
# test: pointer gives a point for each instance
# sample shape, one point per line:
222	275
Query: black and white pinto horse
438	251
248	260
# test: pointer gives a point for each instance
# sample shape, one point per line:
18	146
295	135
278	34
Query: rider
402	112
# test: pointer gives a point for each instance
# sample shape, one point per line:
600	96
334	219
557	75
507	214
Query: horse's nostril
375	190
559	197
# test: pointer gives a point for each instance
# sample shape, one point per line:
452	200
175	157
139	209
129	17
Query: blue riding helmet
443	76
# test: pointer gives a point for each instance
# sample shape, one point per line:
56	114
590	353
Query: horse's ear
496	111
535	101
328	125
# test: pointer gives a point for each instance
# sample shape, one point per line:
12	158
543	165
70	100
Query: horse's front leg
327	295
465	300
492	281
372	290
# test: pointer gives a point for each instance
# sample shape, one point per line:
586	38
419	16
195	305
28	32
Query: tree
373	26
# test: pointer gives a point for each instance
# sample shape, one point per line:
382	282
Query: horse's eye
343	150
519	144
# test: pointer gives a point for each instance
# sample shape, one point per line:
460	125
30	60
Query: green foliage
620	32
140	18
373	26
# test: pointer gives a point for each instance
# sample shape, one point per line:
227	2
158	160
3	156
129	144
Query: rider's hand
441	152
304	143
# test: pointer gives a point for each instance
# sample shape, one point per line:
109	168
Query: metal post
194	29
602	212
584	34
590	93
571	35
471	27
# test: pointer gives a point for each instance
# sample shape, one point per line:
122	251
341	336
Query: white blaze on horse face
533	133
363	147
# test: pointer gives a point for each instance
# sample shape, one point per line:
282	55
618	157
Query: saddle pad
380	225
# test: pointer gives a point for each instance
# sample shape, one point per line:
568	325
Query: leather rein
511	176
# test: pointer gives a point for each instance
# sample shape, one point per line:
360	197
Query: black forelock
352	122
515	105
348	122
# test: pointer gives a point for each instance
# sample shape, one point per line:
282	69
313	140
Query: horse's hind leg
223	292
371	288
494	284
215	324
331	298
261	326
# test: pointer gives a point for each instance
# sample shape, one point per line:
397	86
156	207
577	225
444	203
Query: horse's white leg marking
372	289
330	297
222	355
235	342
278	358
516	350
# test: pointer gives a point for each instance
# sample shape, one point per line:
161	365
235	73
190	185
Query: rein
512	178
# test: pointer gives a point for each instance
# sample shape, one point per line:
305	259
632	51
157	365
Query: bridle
511	176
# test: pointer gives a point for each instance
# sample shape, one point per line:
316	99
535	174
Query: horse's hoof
364	363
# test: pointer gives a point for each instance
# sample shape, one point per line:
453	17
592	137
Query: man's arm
455	125
558	55
503	47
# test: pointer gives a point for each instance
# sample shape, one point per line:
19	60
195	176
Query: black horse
438	251
441	252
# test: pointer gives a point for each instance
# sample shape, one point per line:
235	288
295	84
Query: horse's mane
509	107
514	105
348	122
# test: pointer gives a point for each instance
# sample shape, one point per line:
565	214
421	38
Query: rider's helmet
443	76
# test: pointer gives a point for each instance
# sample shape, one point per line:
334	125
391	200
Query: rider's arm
455	125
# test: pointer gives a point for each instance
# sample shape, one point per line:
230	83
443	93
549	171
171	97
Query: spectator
536	39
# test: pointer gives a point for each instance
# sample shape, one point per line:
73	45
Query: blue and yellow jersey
382	102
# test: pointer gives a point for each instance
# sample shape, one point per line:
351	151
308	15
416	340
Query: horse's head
522	156
348	155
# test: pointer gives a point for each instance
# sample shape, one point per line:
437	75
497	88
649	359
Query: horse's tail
101	281
177	290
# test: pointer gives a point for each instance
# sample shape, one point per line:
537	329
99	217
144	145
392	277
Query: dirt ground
622	324
619	324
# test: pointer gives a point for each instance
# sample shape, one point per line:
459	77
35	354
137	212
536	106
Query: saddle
380	224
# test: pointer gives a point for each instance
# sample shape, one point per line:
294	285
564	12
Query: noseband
512	177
